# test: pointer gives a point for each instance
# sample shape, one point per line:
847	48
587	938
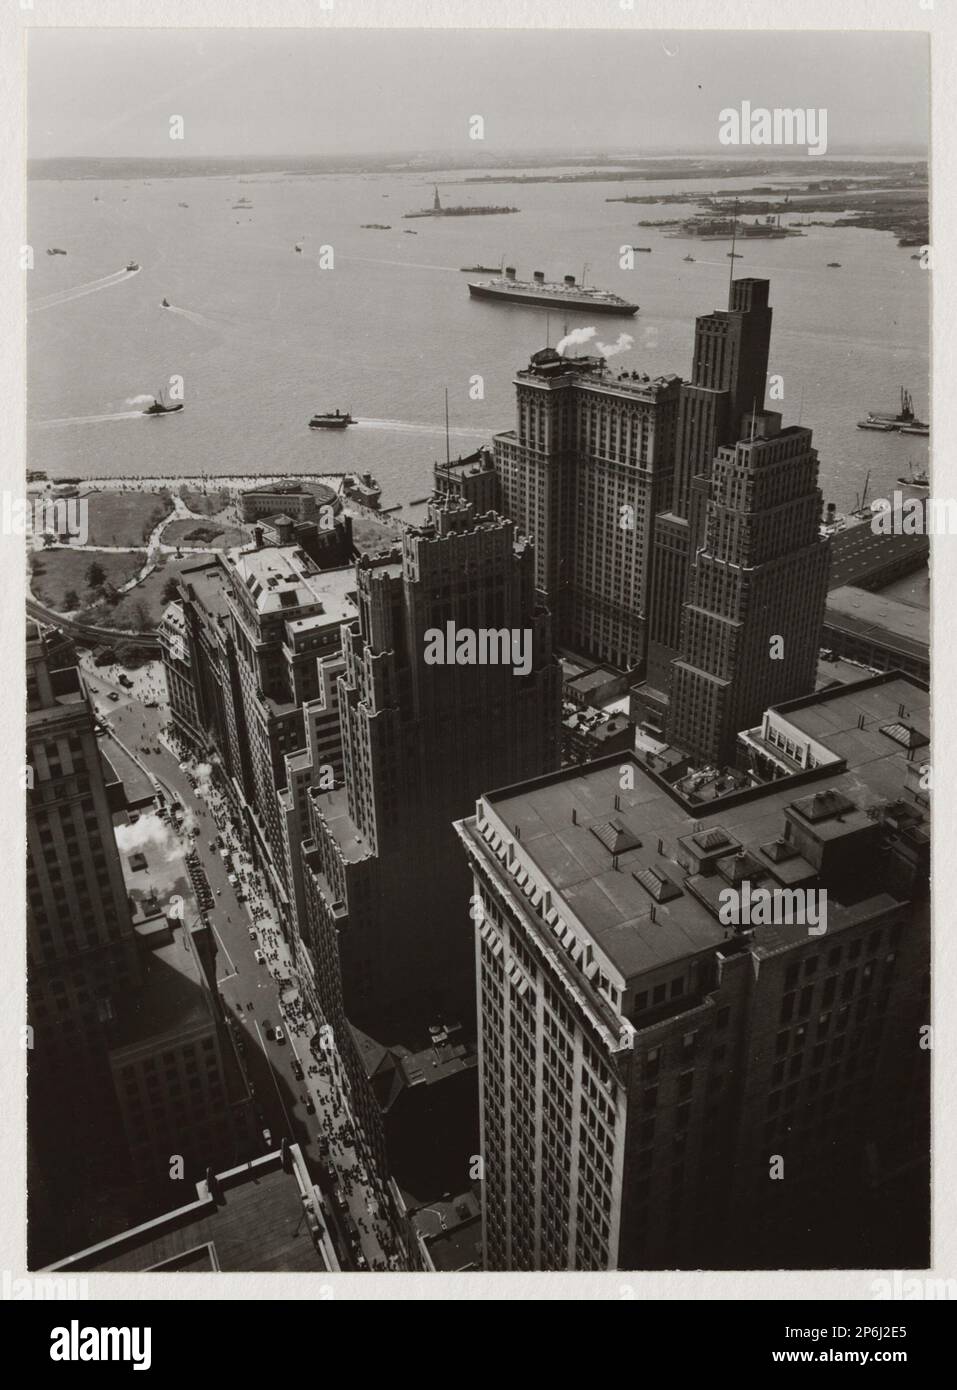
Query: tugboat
159	406
131	265
331	420
913	479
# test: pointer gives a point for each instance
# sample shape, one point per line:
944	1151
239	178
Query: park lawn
125	518
370	536
215	502
58	570
143	607
214	533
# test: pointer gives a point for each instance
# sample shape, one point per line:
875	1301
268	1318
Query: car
151	704
211	847
268	1029
233	879
260	958
113	696
280	1035
297	1070
252	934
310	1106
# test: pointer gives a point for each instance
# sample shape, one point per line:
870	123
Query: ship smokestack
569	279
510	272
539	277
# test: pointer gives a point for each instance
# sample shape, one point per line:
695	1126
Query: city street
258	995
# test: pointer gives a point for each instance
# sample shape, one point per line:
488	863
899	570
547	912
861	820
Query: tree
138	615
171	590
71	600
95	575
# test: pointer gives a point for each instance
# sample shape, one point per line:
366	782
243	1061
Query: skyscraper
419	740
757	586
728	378
588	465
663	1085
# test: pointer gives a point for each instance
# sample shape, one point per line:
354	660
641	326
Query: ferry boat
331	420
568	295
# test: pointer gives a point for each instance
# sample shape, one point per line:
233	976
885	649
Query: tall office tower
728	377
665	1083
751	626
81	950
245	651
584	472
419	738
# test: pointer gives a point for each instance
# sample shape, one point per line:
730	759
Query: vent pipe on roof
617	802
574	816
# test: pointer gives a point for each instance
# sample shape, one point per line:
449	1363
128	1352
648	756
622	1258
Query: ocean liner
568	295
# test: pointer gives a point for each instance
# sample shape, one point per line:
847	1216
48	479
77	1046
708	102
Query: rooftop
283	577
260	1220
879	618
610	855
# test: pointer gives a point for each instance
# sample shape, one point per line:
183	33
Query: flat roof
258	1224
283	577
570	826
880	619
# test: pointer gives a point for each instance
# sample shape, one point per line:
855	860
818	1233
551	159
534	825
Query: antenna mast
448	458
734	233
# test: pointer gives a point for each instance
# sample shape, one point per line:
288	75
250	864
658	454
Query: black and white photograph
476	517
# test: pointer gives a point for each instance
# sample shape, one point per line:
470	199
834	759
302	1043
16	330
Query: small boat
182	205
918	427
916	256
165	304
734	255
913	479
159	406
131	265
331	420
482	269
833	265
871	424
641	248
55	251
298	246
688	258
409	232
375	226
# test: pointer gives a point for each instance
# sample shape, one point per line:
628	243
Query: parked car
252	934
260	958
310	1106
268	1029
297	1070
113	696
280	1035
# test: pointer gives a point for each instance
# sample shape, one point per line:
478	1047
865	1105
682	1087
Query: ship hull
568	303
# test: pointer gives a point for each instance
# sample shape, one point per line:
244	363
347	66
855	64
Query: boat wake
409	427
90	419
105	282
199	319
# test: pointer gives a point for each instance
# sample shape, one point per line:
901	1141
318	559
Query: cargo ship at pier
437	210
568	295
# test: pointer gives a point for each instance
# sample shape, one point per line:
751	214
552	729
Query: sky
249	92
